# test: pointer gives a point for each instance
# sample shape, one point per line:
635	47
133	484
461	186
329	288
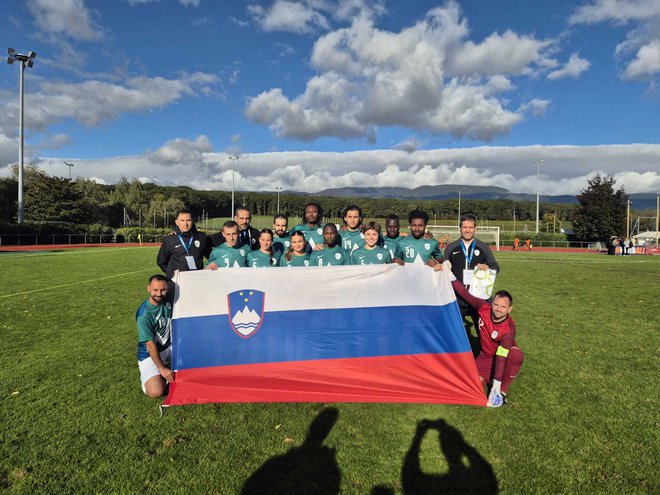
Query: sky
317	94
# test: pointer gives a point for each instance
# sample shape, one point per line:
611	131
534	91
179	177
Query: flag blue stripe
320	334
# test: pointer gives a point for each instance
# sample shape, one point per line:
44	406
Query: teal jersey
391	244
295	260
257	259
351	239
226	257
313	235
330	257
154	323
375	256
281	245
413	250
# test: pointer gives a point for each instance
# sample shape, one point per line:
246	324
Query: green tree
601	210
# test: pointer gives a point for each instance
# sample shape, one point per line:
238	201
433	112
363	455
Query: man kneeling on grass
154	323
500	358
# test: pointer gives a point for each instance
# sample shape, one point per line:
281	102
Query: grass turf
583	413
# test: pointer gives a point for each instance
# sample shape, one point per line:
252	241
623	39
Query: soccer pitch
584	414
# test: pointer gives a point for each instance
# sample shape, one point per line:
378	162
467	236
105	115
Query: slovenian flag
370	333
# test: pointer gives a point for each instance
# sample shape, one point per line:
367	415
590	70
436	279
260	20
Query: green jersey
375	256
281	245
413	250
226	256
351	239
391	244
313	235
295	260
154	323
257	259
330	257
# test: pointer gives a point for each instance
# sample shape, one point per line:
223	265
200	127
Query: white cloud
508	53
285	15
94	101
182	151
564	171
621	11
409	145
643	40
367	77
646	62
535	106
70	18
573	68
309	16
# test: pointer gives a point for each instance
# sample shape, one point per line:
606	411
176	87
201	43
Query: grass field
583	418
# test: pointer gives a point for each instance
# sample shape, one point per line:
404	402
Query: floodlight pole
538	190
26	61
233	159
278	189
628	221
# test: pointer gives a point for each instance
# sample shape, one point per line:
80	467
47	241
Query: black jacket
249	238
172	254
481	254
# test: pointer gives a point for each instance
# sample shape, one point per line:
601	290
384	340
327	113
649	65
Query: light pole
70	165
538	190
278	189
233	159
26	61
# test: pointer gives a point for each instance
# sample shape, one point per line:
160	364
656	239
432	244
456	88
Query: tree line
55	199
83	201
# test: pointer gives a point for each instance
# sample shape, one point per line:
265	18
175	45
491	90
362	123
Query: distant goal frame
488	234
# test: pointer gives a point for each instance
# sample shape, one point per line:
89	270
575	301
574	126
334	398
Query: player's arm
164	371
502	353
212	264
473	301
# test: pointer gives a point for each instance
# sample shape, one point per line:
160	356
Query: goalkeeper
500	358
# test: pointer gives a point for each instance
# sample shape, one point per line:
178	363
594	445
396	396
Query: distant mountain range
641	201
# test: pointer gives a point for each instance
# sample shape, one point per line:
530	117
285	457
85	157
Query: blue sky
330	93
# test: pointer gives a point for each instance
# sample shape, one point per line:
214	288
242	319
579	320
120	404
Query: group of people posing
313	243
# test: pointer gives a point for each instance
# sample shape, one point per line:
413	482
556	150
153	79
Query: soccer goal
489	235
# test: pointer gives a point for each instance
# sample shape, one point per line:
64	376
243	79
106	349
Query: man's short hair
158	277
229	224
468	217
503	293
281	215
184	210
238	208
418	214
392	216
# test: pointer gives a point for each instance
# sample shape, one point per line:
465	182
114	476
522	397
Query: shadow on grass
309	469
468	471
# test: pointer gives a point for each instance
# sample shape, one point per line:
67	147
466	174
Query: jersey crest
246	311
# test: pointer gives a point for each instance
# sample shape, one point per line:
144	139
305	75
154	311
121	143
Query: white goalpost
489	235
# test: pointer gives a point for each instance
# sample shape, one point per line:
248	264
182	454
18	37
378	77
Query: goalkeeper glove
495	398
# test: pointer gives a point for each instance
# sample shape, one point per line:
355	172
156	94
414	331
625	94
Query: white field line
12	255
75	283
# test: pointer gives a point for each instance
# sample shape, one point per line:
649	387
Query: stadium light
538	190
278	189
70	165
26	61
233	159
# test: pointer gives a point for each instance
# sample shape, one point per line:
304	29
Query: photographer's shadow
309	469
468	471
